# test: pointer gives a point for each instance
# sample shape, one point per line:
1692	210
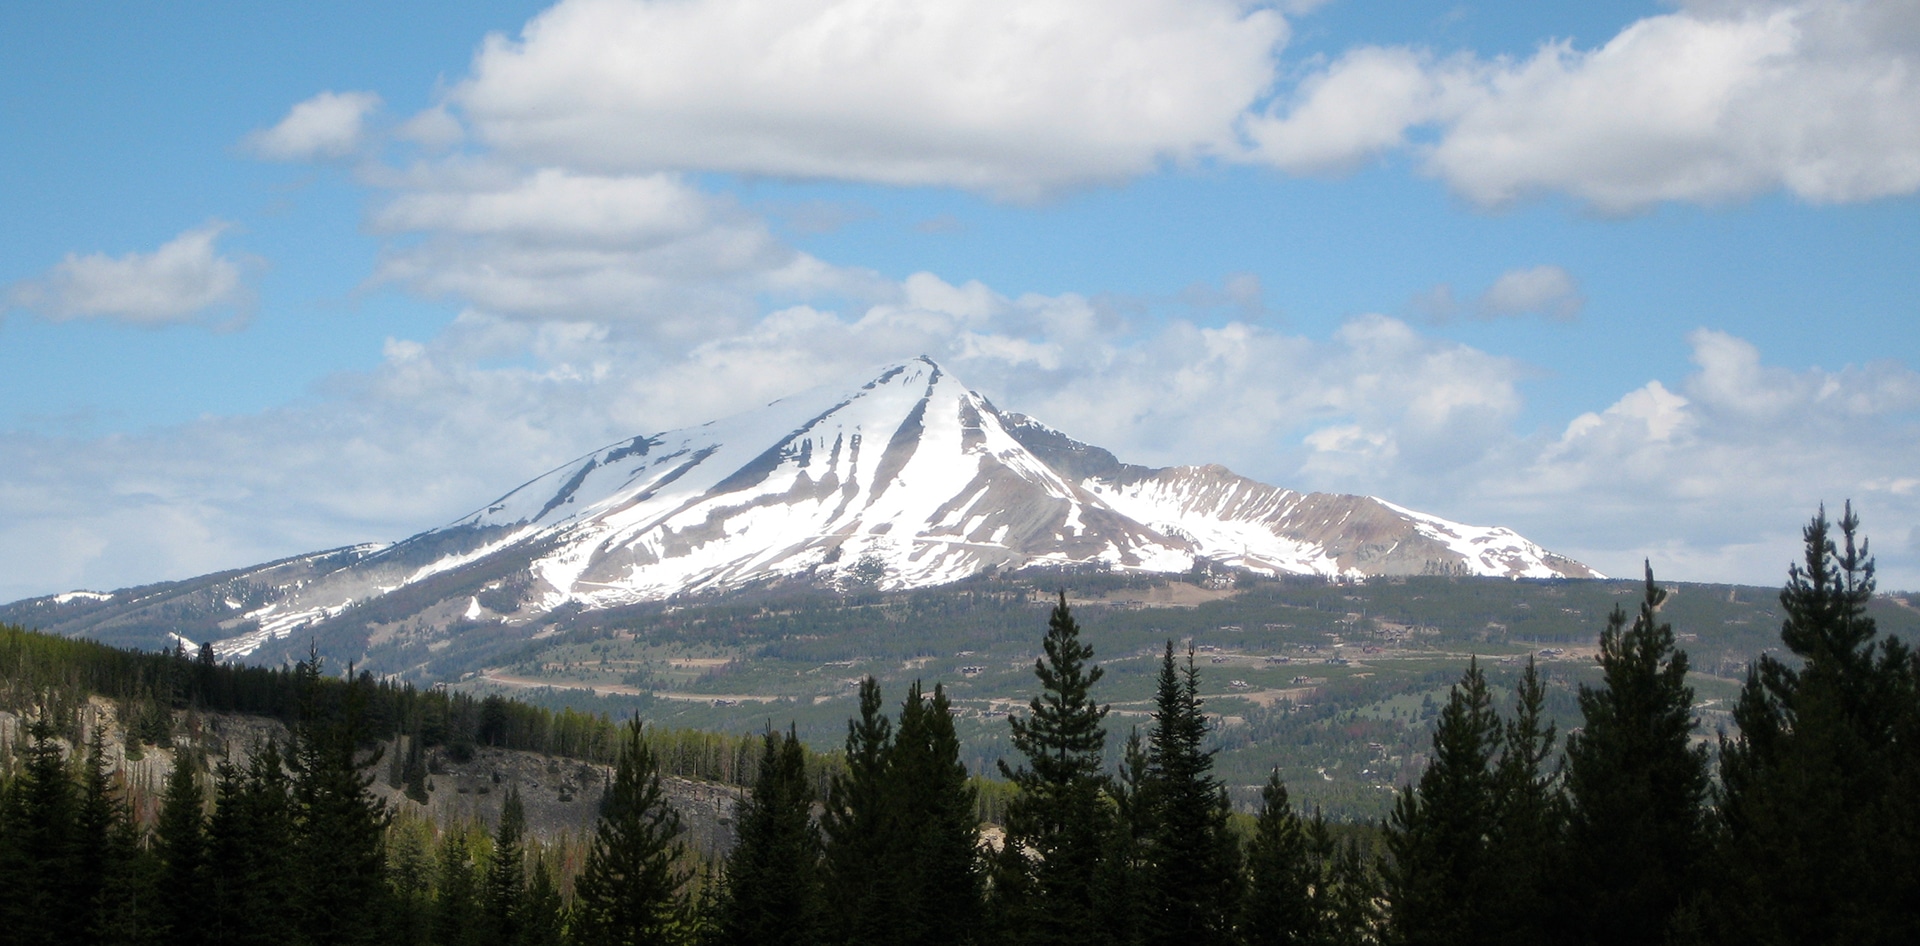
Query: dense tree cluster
1627	832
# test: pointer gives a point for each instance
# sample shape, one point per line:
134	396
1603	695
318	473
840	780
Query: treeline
1624	832
1621	834
41	674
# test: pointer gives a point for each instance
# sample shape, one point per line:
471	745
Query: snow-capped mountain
906	481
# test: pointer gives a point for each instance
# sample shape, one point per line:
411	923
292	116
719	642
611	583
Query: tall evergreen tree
97	813
228	848
126	913
1352	893
267	821
1821	843
772	887
180	841
1531	822
410	870
339	829
506	886
456	902
545	919
1121	886
1045	879
1279	908
37	824
1636	785
632	890
1193	885
936	832
1441	879
858	879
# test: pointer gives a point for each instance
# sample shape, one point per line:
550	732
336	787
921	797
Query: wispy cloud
329	125
1546	291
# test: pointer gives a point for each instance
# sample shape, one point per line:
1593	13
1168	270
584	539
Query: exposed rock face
906	481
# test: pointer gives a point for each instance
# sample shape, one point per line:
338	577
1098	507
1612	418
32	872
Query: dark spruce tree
1193	883
410	869
1121	887
1045	878
180	842
1636	830
125	915
858	877
1821	843
546	911
1532	824
935	830
100	810
37	824
503	899
1282	876
771	893
339	830
1441	877
456	902
632	889
1351	893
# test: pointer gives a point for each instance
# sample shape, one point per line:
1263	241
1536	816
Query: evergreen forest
1793	825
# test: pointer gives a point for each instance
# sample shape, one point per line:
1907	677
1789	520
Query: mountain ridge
908	480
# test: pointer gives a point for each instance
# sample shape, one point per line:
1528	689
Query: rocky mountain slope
906	481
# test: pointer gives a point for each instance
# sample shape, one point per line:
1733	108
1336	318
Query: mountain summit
906	481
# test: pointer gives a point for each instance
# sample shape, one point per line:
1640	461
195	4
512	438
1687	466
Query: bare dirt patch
1173	594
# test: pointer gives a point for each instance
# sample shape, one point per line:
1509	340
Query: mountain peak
907	480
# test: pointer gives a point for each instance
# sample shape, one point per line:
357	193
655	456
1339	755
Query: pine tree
632	890
1279	908
97	813
1121	887
1046	877
228	849
410	870
772	891
180	840
858	879
339	829
1351	915
1195	866
1441	879
248	863
1821	843
545	917
456	902
506	882
37	823
1636	829
126	913
1531	823
113	872
936	833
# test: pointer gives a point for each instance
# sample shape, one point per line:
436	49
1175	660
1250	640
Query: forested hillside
1794	825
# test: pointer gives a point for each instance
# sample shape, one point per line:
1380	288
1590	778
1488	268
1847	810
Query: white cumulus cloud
1738	456
1712	102
1013	97
183	280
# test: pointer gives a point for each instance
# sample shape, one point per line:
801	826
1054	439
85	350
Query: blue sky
1636	279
